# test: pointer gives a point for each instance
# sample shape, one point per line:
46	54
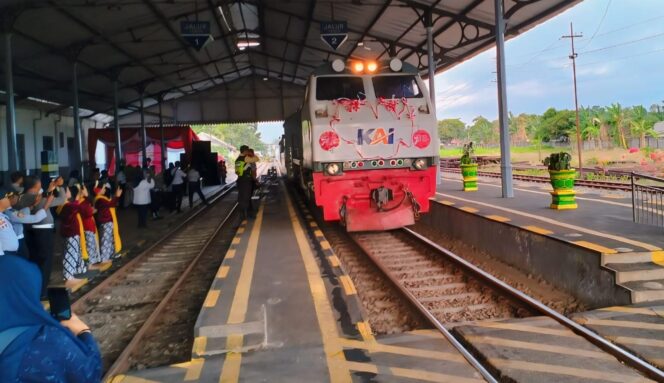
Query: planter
563	196
469	173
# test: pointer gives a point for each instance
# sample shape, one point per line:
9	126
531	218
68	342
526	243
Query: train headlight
332	169
338	65
372	66
396	65
358	67
420	164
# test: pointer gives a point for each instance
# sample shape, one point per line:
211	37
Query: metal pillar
163	139
144	140
505	163
116	125
12	147
432	62
78	132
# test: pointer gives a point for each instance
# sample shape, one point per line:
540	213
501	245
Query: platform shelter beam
12	147
116	125
505	157
144	140
78	132
432	62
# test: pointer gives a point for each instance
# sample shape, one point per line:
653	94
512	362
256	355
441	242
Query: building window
47	143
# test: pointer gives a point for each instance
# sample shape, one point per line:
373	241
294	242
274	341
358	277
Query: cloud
594	70
533	88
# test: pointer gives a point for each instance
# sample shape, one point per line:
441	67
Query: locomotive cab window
396	87
333	88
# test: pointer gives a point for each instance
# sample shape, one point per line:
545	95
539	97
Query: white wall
46	126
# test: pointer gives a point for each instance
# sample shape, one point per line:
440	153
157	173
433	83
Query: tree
590	125
618	120
640	125
557	124
482	131
451	128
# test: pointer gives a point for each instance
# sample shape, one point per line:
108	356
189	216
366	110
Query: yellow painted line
194	370
200	343
211	298
555	369
501	342
596	247
313	224
405	351
347	283
561	224
625	323
526	328
446	202
537	229
658	257
469	209
334	261
635	310
426	376
325	245
240	230
337	368
223	272
231	368
318	233
637	341
230	254
365	330
498	218
78	286
131	379
236	240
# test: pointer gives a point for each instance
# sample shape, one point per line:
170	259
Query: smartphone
58	298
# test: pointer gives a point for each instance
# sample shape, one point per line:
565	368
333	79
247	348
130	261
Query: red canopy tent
175	137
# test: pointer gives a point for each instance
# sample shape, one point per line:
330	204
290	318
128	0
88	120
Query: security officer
245	181
8	238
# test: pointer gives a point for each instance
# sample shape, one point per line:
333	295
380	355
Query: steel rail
121	364
429	316
80	303
621	354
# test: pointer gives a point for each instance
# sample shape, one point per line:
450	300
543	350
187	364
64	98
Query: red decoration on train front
421	139
328	140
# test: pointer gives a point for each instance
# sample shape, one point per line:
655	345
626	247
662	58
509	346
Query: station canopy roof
256	67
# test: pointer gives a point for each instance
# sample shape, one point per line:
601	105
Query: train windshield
333	88
396	87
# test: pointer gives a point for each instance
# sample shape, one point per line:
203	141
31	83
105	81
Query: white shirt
8	238
142	192
178	176
121	177
193	175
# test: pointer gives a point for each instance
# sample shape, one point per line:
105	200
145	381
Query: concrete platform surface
539	349
280	310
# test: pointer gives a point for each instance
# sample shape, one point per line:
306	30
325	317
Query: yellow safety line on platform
334	261
200	344
211	298
498	218
624	323
636	310
658	257
426	376
194	370
469	209
230	254
401	350
339	372
236	241
318	233
131	379
547	193
502	342
537	229
556	369
636	341
240	230
347	283
365	331
596	247
562	224
223	272
231	367
325	245
526	328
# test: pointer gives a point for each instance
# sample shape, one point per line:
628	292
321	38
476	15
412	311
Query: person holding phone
35	346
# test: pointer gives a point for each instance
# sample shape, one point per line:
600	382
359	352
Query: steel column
432	62
144	141
116	125
12	147
161	130
78	132
505	163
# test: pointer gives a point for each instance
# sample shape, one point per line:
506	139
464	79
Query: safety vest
242	169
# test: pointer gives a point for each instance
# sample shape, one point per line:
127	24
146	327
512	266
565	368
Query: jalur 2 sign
334	33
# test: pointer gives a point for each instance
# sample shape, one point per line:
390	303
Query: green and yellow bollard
563	196
469	173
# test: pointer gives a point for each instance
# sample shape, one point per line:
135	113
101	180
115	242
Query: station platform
281	309
583	251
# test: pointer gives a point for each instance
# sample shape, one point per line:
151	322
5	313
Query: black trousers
40	252
142	211
195	187
244	189
178	191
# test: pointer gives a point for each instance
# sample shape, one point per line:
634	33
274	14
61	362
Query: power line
606	10
623	43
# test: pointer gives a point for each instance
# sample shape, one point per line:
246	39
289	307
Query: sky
620	59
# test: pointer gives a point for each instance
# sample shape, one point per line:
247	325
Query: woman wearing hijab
34	347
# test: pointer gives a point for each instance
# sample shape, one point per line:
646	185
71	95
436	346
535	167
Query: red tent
175	137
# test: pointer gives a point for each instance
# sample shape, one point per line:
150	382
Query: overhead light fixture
396	64
248	43
338	65
360	43
264	78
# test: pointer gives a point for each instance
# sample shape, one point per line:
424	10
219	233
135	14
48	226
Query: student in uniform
177	184
142	199
17	182
23	216
8	238
194	178
71	229
109	229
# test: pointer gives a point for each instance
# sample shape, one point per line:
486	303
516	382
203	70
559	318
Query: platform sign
334	33
196	33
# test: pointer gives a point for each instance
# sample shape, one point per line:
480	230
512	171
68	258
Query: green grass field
456	152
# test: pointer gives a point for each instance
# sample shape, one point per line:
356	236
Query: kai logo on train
375	136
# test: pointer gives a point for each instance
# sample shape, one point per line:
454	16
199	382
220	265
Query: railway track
540	179
123	308
446	288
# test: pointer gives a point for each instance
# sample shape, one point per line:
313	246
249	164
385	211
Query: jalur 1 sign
196	33
334	33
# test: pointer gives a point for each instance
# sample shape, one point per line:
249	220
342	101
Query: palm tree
641	125
590	126
618	119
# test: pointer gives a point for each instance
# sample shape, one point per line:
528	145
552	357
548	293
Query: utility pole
579	142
